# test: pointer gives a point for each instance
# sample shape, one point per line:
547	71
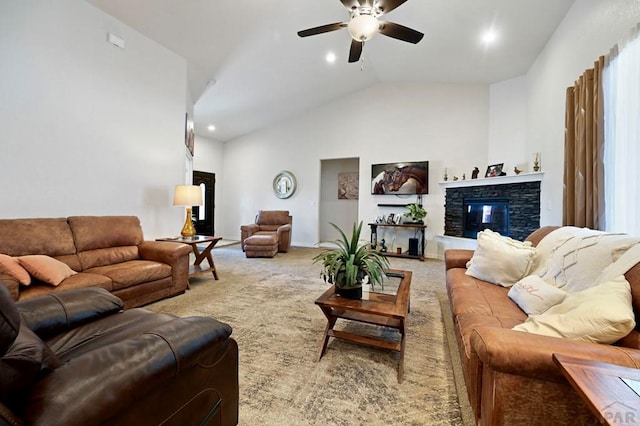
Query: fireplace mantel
497	180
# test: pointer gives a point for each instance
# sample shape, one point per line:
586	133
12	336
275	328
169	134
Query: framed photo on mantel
494	170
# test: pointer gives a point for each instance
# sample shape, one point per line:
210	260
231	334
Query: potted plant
347	265
416	213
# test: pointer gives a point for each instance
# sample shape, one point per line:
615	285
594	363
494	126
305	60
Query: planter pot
349	293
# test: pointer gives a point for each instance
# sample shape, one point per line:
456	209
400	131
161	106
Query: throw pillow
10	265
534	295
46	268
500	260
601	314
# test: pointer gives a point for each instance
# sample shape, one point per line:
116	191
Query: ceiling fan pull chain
362	59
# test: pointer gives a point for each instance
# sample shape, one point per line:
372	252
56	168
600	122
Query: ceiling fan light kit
364	24
363	27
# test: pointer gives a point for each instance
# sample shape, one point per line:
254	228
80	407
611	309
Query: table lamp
189	196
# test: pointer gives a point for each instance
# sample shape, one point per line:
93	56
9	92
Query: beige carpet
269	304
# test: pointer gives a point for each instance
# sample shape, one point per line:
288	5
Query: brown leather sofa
510	376
106	251
76	358
272	229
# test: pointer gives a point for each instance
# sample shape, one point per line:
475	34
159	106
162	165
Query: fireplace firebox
485	213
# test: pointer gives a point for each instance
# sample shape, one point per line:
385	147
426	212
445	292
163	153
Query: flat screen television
400	178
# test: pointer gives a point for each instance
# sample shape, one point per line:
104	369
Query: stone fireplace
509	205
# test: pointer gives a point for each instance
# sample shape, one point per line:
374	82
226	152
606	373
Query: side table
610	391
197	268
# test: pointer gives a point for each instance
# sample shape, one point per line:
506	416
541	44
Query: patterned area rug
270	305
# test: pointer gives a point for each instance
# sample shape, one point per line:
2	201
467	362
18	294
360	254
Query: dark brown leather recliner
76	358
275	223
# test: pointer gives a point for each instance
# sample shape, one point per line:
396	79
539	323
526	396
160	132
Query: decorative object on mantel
416	213
455	177
516	170
474	173
348	264
494	170
536	161
464	176
446	177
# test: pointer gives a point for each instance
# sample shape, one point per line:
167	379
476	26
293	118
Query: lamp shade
187	195
363	27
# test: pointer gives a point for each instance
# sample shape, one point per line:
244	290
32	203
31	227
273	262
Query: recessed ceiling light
211	127
331	57
489	36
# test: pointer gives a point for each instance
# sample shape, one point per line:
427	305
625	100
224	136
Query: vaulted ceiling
248	68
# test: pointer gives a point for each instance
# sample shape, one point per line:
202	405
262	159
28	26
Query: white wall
507	126
87	128
444	124
590	28
209	157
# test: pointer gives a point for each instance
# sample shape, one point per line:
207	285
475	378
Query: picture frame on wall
189	134
494	170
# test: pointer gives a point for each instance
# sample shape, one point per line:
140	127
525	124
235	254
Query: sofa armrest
284	238
173	254
163	251
530	355
12	284
125	372
55	313
457	258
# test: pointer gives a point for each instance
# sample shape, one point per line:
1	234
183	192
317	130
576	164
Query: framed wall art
189	134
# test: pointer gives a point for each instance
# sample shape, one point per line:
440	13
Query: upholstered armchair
270	222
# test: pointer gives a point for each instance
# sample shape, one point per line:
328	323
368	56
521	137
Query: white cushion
500	260
601	314
534	295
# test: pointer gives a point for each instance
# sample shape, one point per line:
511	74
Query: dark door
203	215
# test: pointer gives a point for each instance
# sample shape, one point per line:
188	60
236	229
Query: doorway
336	205
203	216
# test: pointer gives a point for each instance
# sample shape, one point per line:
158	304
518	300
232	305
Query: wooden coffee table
607	389
386	310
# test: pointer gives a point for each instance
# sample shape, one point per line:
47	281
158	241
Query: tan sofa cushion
133	272
107	256
96	232
49	236
79	280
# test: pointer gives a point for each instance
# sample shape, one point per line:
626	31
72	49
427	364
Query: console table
418	226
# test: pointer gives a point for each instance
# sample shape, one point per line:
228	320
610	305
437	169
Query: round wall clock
284	184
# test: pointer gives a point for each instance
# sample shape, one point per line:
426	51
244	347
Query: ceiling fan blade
355	51
387	6
400	32
350	4
322	29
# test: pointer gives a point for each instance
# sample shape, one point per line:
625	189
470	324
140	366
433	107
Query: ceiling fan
364	24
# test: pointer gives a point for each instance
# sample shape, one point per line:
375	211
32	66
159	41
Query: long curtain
583	197
621	82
